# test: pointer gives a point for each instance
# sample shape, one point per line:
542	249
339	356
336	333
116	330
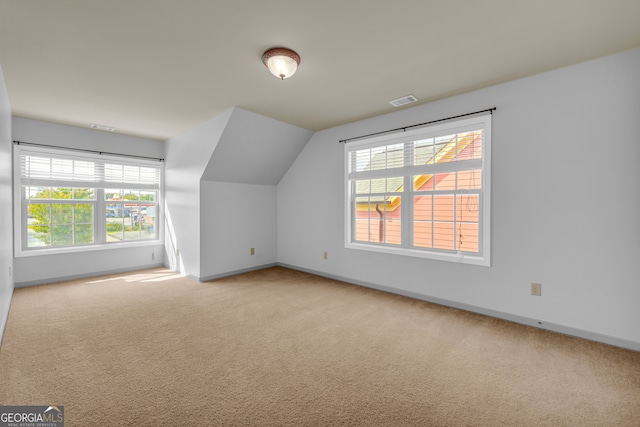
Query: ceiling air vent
102	127
403	101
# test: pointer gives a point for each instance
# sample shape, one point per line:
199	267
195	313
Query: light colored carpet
279	347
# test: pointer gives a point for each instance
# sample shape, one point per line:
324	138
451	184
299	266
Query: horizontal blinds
48	167
450	153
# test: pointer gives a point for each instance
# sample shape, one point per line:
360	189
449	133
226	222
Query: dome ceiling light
282	62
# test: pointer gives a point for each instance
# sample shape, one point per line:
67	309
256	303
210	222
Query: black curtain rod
404	128
87	151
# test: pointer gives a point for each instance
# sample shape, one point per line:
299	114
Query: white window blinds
60	168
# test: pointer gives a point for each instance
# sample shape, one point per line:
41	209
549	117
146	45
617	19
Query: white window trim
20	219
452	127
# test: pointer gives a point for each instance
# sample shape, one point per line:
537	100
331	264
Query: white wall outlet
536	289
253	251
325	255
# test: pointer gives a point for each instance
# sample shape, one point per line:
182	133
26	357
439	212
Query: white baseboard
232	273
84	275
536	323
4	312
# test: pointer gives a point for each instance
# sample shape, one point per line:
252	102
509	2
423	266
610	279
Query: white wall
565	190
31	270
235	218
6	212
220	189
187	156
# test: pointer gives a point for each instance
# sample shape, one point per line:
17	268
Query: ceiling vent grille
403	101
102	127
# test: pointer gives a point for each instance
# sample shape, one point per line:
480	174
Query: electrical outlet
253	251
536	289
326	255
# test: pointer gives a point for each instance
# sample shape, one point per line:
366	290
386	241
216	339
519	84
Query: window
66	200
422	193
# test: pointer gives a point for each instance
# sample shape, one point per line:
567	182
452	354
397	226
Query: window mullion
99	228
407	213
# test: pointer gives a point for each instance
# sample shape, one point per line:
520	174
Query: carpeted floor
283	348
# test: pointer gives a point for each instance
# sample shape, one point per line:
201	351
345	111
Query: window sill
88	248
438	256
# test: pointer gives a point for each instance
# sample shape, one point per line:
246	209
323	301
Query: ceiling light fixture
282	62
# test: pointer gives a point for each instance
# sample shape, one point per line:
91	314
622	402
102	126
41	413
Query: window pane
84	194
115	230
423	208
443	214
40	213
423	152
386	157
445	181
423	182
469	180
392	226
132	229
83	233
445	149
61	235
467	237
380	185
470	145
83	213
148	196
362	219
61	213
359	160
112	194
39	192
61	193
38	236
131	195
467	208
443	235
379	221
443	208
395	156
423	234
149	221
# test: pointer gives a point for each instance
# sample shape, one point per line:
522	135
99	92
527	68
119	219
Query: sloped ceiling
254	149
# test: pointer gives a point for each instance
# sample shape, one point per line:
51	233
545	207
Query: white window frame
99	219
483	257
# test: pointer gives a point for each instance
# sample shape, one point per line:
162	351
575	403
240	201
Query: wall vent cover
403	101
